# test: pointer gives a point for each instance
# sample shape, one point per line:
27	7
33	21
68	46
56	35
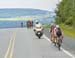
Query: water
11	24
17	23
12	13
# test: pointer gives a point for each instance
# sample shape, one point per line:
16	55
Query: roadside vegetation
65	16
69	31
47	26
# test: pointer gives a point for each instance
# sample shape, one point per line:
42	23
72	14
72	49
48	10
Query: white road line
65	51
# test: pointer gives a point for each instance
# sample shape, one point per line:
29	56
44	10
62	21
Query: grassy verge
70	31
47	26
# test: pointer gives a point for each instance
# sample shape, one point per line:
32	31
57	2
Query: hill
8	13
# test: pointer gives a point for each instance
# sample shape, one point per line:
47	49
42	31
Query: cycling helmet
36	22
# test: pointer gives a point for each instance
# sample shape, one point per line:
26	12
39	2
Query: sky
49	5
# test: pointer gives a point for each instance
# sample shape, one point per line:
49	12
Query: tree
65	12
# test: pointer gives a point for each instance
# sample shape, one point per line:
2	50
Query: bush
69	21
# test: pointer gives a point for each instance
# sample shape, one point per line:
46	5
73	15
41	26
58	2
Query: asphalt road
68	43
5	36
22	43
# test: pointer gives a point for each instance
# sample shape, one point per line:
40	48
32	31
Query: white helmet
57	26
36	22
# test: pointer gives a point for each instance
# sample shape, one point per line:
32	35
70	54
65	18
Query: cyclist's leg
57	39
61	38
51	36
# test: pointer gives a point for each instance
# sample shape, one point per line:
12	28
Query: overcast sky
36	4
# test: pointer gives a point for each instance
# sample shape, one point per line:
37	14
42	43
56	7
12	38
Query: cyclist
52	31
58	33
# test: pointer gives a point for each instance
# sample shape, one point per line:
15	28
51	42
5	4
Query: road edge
65	51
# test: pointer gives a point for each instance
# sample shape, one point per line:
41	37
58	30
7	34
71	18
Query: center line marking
10	49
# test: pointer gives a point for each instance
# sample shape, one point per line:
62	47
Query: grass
47	26
70	31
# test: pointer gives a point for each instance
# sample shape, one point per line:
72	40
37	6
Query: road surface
22	43
68	43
